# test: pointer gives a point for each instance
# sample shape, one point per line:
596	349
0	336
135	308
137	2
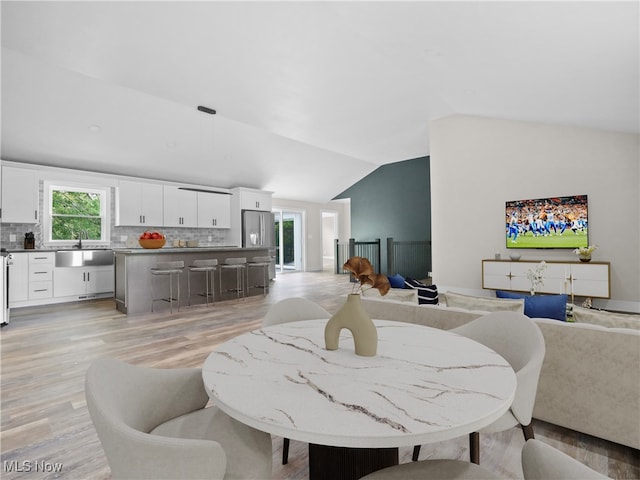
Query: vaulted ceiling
310	96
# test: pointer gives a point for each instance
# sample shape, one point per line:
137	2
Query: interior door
288	230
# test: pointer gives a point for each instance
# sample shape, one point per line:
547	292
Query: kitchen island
133	282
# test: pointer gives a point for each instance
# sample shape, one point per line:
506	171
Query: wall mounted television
554	222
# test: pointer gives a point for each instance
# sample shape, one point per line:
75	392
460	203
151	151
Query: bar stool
170	269
207	267
238	264
263	263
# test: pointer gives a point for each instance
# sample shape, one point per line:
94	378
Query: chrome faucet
79	234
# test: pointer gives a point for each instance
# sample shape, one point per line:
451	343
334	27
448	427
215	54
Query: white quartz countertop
424	385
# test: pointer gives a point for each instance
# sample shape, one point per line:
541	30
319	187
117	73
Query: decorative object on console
584	253
515	257
540	306
535	276
352	315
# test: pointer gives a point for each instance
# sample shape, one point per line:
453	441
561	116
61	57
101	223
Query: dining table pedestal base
342	463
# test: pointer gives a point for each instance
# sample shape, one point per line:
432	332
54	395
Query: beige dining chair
543	462
518	339
152	424
292	310
539	462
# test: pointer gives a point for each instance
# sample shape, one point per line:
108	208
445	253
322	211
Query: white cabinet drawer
41	258
40	273
38	290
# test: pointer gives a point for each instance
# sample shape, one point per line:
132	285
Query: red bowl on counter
151	243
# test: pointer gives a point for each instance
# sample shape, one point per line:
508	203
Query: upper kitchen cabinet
19	195
214	210
245	199
139	203
253	199
180	207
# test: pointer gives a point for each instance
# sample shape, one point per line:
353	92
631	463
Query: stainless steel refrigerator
258	231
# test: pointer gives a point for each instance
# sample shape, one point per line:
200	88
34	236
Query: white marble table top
424	385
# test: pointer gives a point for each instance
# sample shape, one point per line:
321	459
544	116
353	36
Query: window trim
105	212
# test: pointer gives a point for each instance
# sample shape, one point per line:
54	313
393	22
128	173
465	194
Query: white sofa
590	378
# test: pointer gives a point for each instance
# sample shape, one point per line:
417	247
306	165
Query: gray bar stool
207	267
170	269
237	264
263	263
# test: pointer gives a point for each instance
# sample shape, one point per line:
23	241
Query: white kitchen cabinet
180	207
41	275
139	204
19	278
19	195
82	281
31	278
254	199
214	210
581	279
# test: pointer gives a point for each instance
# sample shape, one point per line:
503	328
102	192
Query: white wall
477	164
312	226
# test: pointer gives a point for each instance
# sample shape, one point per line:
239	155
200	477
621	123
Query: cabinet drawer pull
41	290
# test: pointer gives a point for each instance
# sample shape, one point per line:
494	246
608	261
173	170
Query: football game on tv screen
555	222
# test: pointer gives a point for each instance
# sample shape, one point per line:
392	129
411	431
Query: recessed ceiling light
95	128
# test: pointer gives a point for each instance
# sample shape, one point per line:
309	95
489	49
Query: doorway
329	234
288	234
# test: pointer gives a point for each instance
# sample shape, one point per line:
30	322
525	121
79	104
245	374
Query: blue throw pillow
396	281
427	294
540	306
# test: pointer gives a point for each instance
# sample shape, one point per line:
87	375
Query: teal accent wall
392	201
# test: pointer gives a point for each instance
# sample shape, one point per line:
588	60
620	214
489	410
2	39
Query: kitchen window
76	212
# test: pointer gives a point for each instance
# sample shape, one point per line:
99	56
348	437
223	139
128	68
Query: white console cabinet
573	278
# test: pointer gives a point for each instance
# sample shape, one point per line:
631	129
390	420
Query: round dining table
424	385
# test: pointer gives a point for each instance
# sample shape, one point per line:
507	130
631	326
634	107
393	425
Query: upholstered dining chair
519	340
436	469
539	462
152	424
292	310
542	462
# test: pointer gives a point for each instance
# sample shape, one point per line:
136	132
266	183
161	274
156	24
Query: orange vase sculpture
354	318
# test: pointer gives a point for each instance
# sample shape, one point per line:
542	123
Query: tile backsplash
218	235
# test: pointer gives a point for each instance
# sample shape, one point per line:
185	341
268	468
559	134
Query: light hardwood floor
47	350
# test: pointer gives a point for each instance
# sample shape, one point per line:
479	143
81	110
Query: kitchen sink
84	258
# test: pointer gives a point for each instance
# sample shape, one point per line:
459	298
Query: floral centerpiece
584	253
362	270
535	276
352	314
